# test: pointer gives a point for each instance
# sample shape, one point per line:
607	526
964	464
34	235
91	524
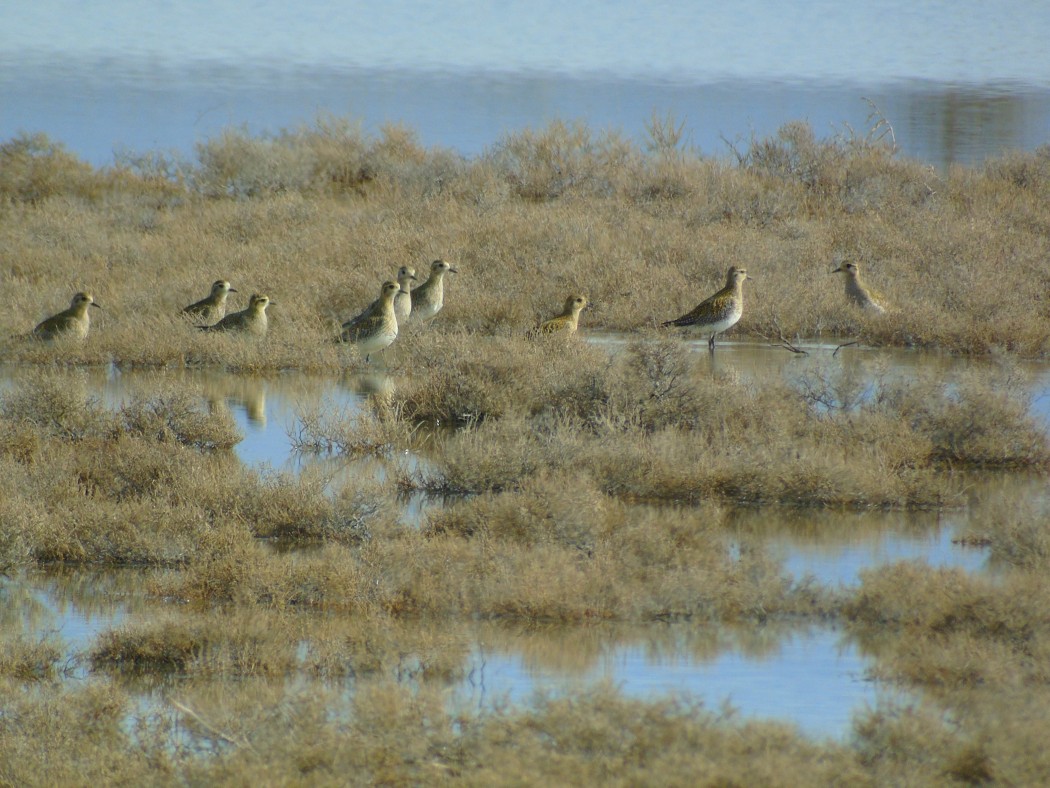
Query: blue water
958	81
812	677
679	40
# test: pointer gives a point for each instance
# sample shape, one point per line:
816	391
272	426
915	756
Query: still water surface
813	676
958	81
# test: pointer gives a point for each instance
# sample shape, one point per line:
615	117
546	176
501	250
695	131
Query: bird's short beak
95	305
837	270
231	290
453	270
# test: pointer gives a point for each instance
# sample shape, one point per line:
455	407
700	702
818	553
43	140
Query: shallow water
957	82
812	676
832	546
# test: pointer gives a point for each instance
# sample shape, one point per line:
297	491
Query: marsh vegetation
297	627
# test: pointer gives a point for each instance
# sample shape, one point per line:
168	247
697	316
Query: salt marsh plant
317	216
586	488
694	435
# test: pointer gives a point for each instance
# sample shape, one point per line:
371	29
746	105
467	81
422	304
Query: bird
721	311
73	322
564	323
429	297
213	307
856	291
376	327
403	300
251	320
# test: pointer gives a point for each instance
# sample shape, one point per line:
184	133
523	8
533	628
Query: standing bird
376	327
721	311
213	307
403	300
73	322
856	291
251	320
429	297
564	323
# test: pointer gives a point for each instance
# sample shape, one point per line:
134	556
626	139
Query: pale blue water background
811	676
959	81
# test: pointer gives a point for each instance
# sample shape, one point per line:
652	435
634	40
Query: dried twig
844	344
782	341
882	128
211	729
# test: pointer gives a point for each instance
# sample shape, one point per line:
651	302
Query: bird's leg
711	342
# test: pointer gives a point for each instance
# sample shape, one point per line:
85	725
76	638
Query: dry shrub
33	169
549	508
382	648
1019	535
232	569
559	160
216	643
332	156
238	165
472	379
542	212
650	424
496	455
323	429
36	726
387	732
981	419
22	659
912	594
984	419
891	740
567	552
1027	171
56	405
598	737
943	628
178	416
287	506
847	172
132	501
658	385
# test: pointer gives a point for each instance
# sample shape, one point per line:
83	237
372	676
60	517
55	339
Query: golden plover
251	320
564	323
73	322
376	327
721	311
406	275
856	291
213	307
429	297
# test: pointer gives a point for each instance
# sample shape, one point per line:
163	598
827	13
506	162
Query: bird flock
376	327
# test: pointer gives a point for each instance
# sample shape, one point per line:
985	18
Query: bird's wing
369	312
362	324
